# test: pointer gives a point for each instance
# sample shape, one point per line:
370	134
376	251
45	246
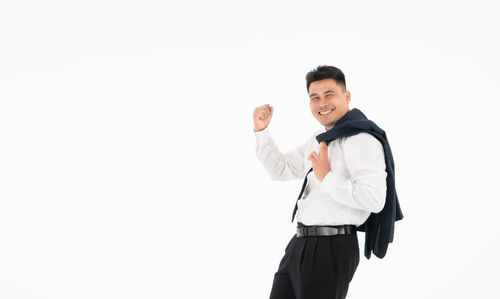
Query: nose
323	103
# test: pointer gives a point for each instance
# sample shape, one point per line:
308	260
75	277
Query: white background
127	152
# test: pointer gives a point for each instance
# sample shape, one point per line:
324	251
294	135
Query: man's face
329	101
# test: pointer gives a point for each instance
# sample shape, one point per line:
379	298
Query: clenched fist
262	117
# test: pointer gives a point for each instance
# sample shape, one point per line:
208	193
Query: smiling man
329	102
347	186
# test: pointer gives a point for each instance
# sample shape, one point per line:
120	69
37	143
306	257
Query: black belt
307	231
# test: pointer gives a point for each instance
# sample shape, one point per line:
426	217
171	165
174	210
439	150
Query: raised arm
279	166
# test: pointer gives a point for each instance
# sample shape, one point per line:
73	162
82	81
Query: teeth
326	112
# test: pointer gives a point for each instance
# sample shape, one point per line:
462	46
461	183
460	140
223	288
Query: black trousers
316	267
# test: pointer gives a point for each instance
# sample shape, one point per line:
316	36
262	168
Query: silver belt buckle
334	230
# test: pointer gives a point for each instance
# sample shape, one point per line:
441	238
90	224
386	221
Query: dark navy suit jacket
379	227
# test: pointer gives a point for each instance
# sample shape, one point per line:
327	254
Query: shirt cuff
262	136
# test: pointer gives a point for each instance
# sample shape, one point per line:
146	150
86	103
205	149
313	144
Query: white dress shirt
354	187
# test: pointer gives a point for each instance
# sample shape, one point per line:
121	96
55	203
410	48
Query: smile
325	112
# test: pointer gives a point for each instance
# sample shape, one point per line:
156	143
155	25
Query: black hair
326	72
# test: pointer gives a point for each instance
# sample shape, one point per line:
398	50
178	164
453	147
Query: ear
348	97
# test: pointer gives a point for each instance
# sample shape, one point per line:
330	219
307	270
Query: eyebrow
315	94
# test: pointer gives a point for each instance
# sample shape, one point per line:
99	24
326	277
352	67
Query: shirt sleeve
366	189
279	166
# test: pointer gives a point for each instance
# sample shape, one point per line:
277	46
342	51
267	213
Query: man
347	184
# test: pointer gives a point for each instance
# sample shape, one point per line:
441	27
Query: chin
330	124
